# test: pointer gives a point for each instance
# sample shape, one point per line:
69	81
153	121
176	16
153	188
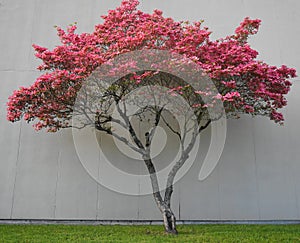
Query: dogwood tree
243	84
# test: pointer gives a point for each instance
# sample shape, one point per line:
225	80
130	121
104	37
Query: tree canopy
244	83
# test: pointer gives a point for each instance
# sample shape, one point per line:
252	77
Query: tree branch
180	163
122	139
130	128
171	128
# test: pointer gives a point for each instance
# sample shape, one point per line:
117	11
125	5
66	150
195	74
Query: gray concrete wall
257	177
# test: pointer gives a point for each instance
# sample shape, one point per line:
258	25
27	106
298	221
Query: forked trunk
164	206
169	221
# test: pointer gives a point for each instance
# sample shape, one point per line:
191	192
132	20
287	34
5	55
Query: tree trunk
169	221
163	206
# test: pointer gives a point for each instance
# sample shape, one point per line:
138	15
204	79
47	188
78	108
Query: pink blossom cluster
245	84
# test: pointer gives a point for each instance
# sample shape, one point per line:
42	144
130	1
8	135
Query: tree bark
169	221
169	218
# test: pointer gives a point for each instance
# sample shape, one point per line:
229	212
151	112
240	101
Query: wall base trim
139	222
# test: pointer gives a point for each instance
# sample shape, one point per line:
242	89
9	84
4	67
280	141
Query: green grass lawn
117	233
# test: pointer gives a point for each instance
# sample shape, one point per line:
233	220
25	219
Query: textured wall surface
41	176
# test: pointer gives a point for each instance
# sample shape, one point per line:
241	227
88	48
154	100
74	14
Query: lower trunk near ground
169	221
164	206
